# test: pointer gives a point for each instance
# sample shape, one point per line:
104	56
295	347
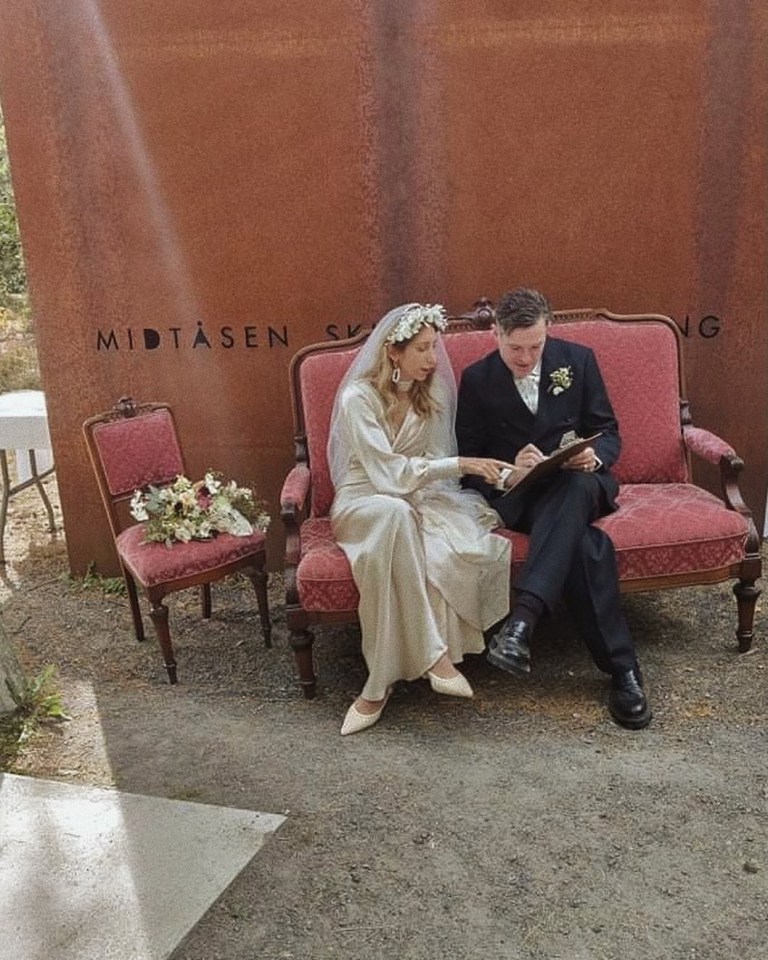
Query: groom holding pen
519	404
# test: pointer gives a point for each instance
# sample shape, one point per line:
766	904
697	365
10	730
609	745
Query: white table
24	428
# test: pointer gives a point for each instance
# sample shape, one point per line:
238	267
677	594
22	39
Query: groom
517	404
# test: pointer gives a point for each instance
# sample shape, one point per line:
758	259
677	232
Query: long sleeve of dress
372	449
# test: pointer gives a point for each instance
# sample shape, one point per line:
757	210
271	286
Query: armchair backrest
132	446
638	356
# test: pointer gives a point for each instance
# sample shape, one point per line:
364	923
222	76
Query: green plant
19	368
37	701
13	280
110	586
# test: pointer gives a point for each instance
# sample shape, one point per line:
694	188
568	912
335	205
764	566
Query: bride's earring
396	374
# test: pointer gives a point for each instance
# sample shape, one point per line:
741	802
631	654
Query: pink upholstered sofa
668	532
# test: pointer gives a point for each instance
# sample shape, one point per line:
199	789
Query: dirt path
520	824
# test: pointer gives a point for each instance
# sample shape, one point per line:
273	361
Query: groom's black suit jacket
493	421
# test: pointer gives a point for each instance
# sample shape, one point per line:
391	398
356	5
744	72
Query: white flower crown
415	318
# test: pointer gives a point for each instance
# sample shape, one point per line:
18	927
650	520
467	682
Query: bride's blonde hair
420	392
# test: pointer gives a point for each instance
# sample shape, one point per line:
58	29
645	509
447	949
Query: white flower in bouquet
184	511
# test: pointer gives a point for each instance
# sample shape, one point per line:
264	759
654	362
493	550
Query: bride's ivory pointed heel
457	686
354	721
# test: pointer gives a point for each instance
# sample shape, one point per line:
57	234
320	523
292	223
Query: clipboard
551	463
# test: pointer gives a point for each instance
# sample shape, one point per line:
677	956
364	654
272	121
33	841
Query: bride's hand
485	467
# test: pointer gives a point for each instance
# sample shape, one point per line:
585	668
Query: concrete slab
88	873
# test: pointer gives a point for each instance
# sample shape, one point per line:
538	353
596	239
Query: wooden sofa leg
746	598
259	580
301	642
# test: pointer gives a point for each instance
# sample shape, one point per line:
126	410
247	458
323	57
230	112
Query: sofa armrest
709	447
295	490
293	499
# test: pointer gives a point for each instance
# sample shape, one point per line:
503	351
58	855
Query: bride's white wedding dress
430	573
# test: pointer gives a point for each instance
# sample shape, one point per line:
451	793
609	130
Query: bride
430	574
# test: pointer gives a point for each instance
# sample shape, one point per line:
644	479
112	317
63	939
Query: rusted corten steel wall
205	187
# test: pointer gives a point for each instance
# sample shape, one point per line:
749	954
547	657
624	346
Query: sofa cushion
324	576
673	528
659	529
153	563
663	529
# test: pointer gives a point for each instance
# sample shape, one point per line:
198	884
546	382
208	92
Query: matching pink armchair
668	532
136	444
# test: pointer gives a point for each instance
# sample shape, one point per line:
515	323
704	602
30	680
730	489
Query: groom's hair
522	308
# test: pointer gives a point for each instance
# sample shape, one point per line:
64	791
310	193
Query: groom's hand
528	456
586	460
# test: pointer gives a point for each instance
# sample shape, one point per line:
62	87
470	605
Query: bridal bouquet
185	511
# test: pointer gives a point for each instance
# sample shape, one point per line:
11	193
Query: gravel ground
521	824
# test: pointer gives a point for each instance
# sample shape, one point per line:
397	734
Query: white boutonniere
561	379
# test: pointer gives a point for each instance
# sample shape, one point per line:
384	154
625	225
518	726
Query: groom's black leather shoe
627	703
510	649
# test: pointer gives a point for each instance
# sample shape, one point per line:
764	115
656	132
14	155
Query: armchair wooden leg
133	601
746	598
259	580
301	642
205	600
159	613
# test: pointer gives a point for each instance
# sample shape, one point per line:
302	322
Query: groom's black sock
528	608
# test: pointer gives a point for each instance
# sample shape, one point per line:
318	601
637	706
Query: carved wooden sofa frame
668	532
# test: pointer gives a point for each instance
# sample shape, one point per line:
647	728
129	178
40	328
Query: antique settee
668	531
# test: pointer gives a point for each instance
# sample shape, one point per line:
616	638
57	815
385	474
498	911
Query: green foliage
37	701
19	368
18	356
109	586
13	278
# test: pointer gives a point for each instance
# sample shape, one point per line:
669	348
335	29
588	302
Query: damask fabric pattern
296	485
153	563
324	577
657	530
320	379
663	529
706	444
673	528
638	361
155	453
432	576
